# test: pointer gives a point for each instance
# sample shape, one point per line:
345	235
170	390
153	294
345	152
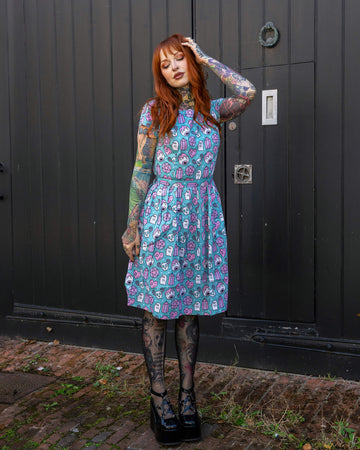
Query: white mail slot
269	107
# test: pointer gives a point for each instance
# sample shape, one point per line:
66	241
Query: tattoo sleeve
243	89
140	180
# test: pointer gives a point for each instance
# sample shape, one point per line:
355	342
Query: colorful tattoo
139	181
188	100
244	90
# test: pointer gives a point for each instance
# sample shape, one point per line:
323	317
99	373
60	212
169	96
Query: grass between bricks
285	427
35	364
128	398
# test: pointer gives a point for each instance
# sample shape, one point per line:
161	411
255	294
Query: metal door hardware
270	107
243	174
268	35
232	126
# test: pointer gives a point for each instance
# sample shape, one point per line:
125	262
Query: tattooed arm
244	90
138	189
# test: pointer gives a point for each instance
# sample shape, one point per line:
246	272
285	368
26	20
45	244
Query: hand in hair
200	56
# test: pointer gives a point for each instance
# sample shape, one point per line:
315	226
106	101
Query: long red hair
165	106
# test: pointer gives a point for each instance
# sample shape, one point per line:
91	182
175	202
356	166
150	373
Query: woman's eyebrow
173	54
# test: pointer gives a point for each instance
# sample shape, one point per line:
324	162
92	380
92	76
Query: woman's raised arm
243	89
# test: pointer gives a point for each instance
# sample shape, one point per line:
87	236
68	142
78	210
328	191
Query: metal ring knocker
270	41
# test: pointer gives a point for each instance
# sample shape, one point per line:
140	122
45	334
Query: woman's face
174	68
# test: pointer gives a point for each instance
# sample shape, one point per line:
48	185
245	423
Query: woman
175	236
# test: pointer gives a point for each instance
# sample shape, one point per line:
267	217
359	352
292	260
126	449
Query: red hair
165	107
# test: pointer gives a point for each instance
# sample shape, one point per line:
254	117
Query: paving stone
67	440
101	436
68	426
145	440
79	444
122	432
54	438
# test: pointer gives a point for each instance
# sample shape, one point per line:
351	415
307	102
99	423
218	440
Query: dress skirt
182	268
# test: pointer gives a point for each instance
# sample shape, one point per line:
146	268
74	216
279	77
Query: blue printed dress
182	266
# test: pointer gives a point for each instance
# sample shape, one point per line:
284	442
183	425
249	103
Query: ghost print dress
182	266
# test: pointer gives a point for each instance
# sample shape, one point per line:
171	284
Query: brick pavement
99	399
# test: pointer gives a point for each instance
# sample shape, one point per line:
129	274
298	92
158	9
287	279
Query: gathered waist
182	181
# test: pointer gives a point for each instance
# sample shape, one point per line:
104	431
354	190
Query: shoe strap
188	403
165	407
162	394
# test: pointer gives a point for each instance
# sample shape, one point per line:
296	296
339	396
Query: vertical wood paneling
328	141
207	35
69	230
301	193
35	150
247	201
85	150
180	17
141	56
5	183
351	171
251	21
276	182
123	140
159	24
19	155
104	176
277	12
302	22
50	150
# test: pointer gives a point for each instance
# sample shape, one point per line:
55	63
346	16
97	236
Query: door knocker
272	40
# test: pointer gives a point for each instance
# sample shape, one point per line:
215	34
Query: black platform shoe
190	423
167	431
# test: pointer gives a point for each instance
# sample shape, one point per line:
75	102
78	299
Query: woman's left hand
200	56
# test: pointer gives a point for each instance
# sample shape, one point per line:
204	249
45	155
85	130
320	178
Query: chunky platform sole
164	437
190	424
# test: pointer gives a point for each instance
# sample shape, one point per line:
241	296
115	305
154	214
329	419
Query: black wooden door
270	222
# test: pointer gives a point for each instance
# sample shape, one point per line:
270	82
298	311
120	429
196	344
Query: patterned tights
154	339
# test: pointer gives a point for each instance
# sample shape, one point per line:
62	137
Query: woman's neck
188	100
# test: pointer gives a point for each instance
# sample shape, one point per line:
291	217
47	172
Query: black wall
73	77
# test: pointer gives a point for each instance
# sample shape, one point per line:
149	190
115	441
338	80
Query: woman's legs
154	338
187	341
